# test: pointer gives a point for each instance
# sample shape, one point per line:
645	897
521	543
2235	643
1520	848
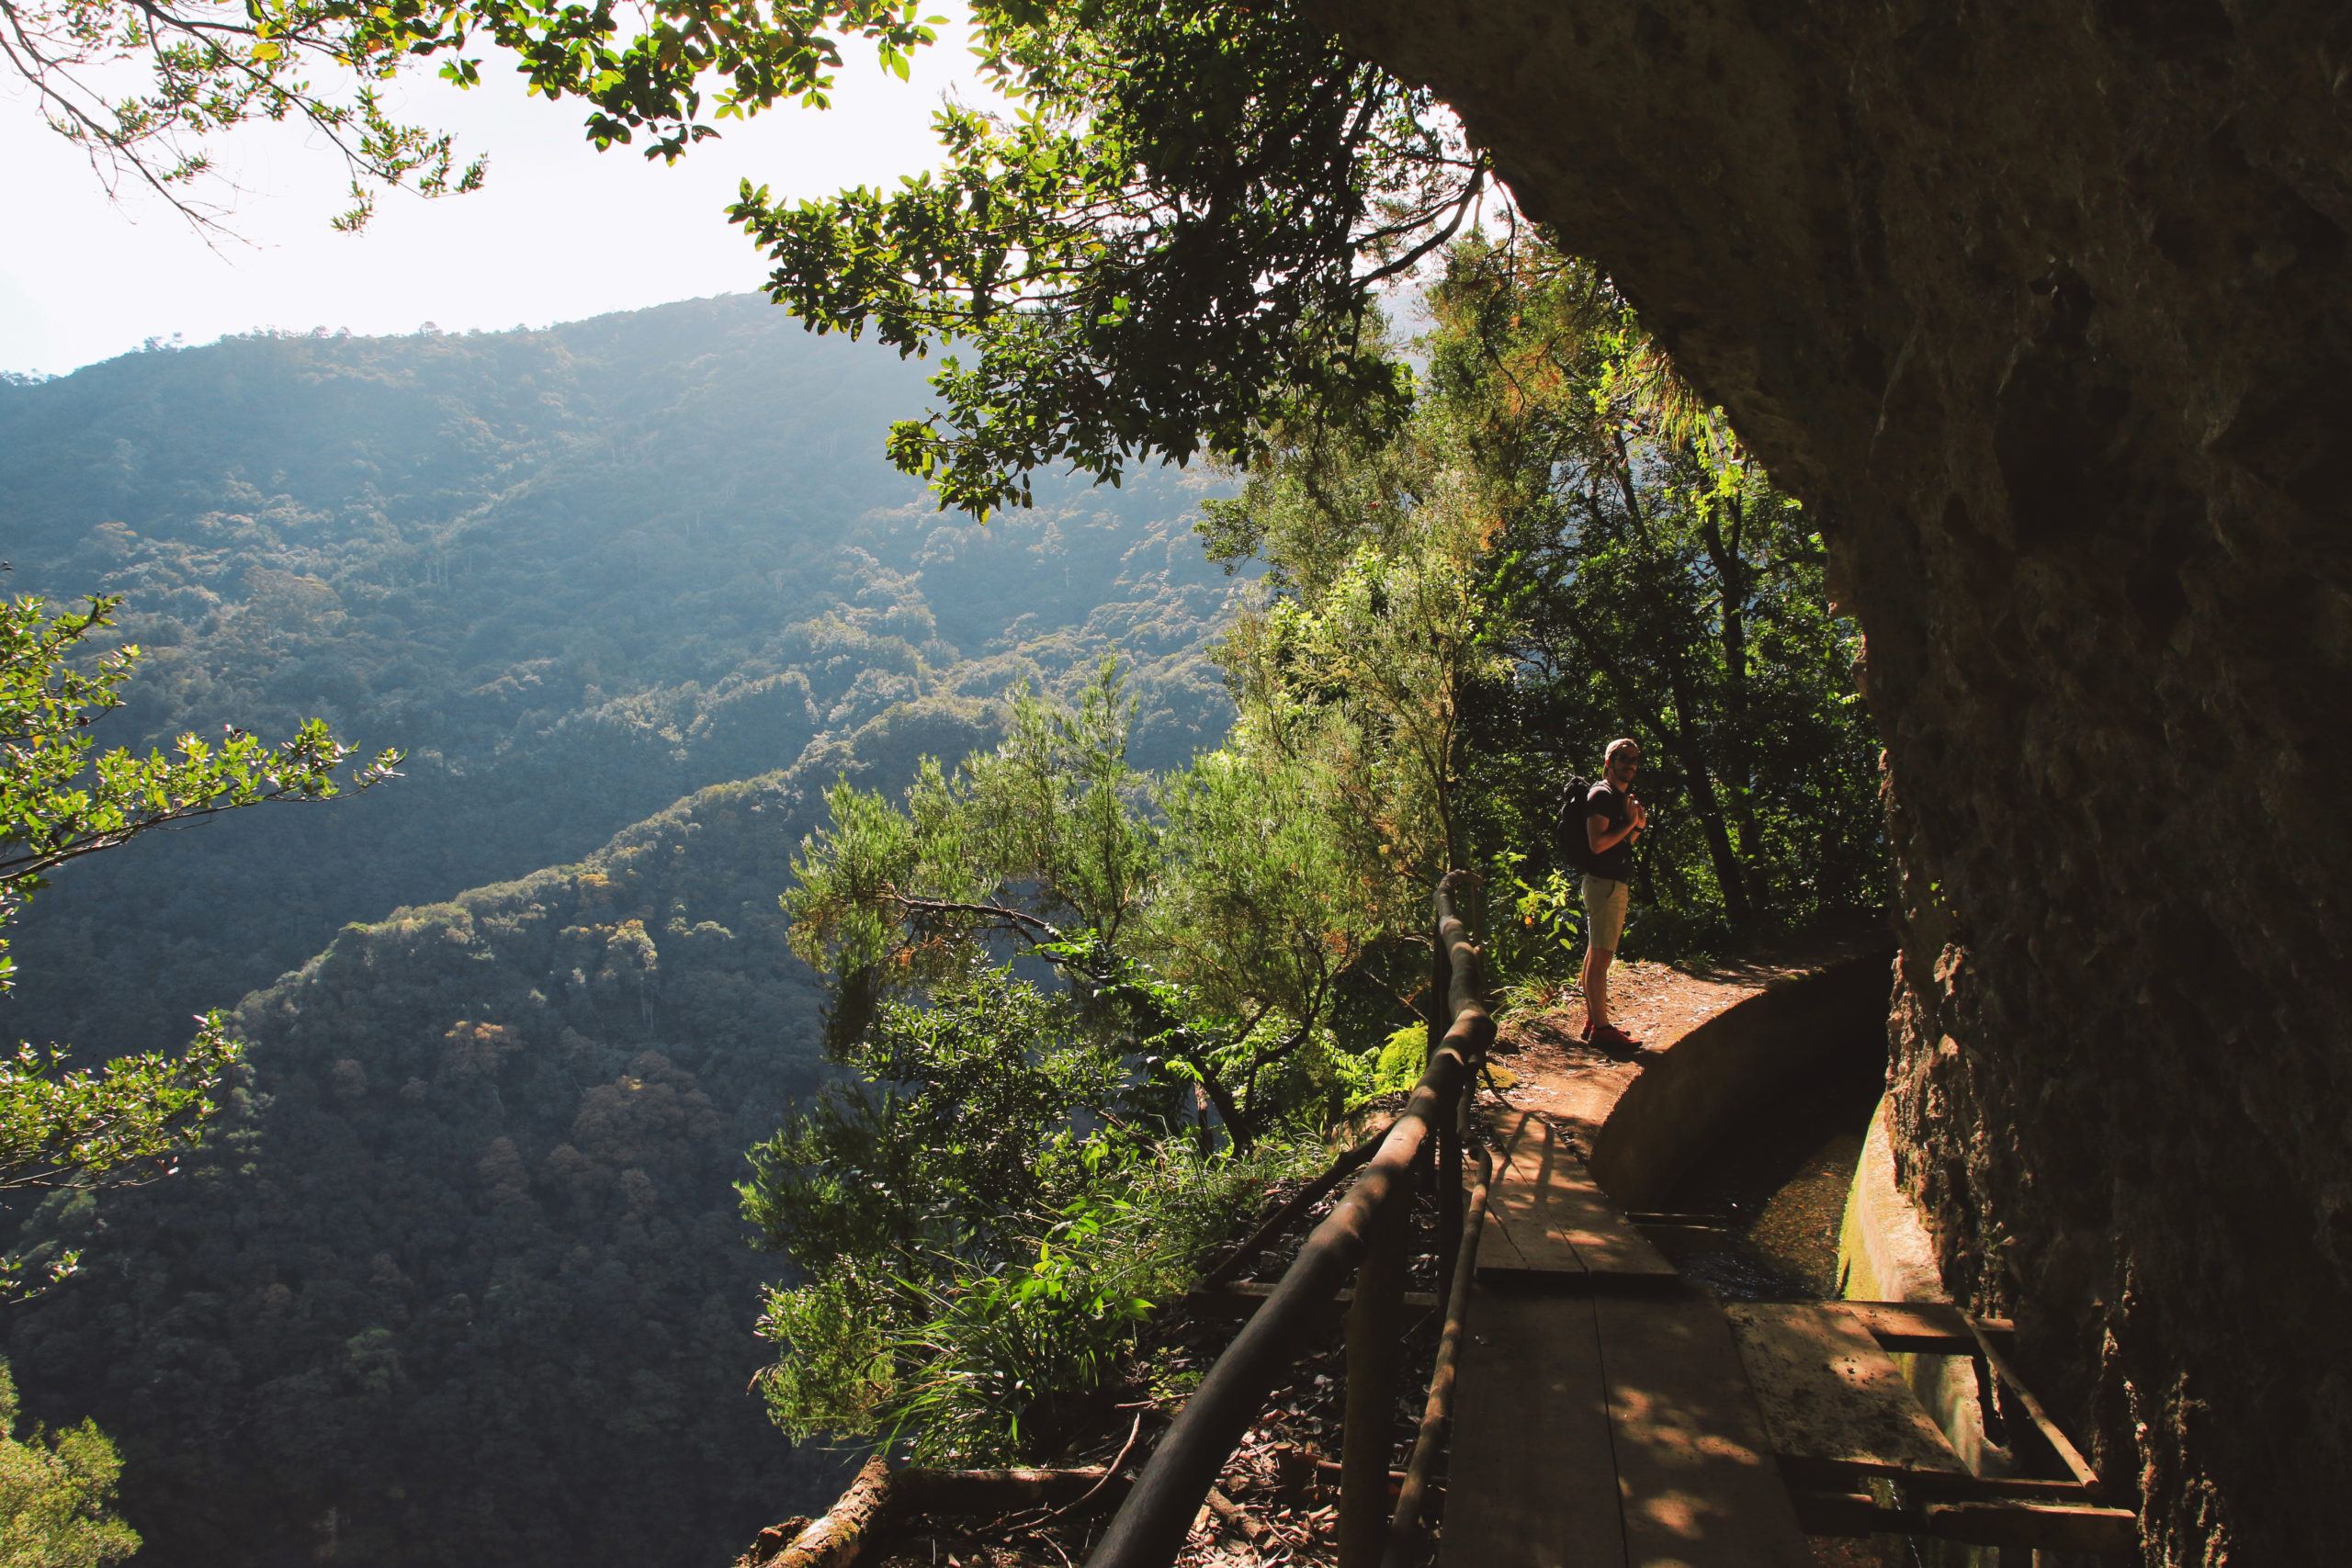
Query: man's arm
1598	834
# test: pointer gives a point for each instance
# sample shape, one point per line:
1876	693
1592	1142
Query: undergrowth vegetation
973	1358
1086	1013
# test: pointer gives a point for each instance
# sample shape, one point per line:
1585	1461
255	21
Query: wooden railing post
1446	1170
1446	1187
1450	1196
1440	1011
1437	1414
1374	1327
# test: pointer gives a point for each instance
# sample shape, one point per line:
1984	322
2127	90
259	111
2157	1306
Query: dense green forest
575	574
461	1277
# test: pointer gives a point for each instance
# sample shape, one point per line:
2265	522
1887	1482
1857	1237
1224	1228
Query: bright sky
560	232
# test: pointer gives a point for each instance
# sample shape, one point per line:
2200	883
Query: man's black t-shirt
1617	860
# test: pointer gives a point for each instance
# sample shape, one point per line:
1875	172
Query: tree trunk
1729	872
835	1540
854	1523
1737	582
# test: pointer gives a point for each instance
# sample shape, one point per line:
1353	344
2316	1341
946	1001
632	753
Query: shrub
965	1363
55	1492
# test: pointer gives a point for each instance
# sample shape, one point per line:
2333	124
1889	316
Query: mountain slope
461	1280
576	573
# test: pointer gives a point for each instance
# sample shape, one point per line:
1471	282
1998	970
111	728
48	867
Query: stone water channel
1776	1182
1774	1187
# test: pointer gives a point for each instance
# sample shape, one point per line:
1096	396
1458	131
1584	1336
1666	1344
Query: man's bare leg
1596	987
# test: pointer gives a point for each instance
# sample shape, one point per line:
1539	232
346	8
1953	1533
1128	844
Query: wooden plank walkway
1694	1467
1608	1414
1832	1397
1532	1480
1841	1419
1550	1227
1604	1419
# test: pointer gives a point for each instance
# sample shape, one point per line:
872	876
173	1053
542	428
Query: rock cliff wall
2043	308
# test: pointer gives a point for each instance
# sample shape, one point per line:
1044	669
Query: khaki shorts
1605	899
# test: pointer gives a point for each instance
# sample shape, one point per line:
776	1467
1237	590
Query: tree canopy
497	1306
204	67
1204	916
461	1260
574	573
1614	562
1172	240
1009	1178
59	801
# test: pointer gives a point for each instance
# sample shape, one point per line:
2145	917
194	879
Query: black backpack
1576	845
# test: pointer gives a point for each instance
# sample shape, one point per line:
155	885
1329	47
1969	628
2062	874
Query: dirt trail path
1576	1085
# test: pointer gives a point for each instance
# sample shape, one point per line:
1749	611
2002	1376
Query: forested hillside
577	574
461	1280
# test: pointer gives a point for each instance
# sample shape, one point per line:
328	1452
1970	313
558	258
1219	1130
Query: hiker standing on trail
1613	820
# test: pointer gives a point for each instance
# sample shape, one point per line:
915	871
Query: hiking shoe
1615	1040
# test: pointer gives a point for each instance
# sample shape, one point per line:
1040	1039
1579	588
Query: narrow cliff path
1521	1460
1547	1070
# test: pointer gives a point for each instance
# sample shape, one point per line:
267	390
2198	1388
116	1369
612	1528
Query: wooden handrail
1150	1527
1437	1415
